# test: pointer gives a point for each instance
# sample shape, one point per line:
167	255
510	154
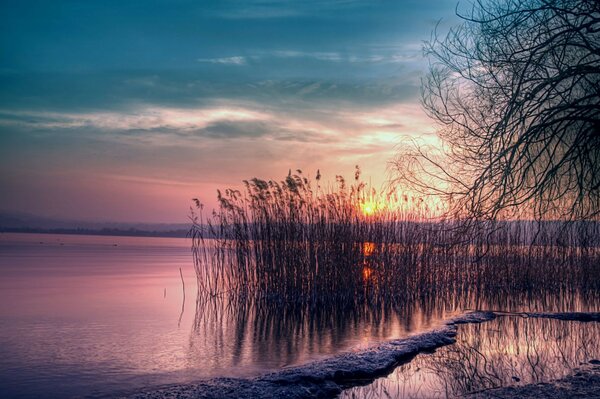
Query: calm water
97	316
103	316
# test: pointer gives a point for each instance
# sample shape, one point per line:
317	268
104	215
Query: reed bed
294	241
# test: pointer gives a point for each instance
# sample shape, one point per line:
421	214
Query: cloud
264	9
236	60
321	56
174	126
340	126
242	119
397	55
148	118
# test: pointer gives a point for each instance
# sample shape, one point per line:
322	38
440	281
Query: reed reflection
230	332
247	333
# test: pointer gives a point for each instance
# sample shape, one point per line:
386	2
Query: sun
369	208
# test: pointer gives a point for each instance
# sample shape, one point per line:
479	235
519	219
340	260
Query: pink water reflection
100	315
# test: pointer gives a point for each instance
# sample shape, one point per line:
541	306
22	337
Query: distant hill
28	223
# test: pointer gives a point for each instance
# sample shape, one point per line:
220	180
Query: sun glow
372	207
368	208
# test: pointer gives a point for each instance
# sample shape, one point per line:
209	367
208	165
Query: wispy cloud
391	56
264	9
235	60
321	56
339	125
149	118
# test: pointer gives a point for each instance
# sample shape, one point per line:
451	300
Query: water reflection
247	329
238	333
506	351
245	333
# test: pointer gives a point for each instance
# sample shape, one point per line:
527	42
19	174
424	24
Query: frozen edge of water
328	377
566	316
569	316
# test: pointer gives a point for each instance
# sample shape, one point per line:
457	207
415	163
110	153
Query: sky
125	110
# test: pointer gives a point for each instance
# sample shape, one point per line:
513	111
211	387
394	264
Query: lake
98	315
101	316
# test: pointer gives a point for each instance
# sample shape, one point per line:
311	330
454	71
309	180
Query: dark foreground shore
583	383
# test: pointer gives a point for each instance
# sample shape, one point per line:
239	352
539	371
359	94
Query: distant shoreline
99	232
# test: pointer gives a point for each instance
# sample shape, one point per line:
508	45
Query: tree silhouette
515	90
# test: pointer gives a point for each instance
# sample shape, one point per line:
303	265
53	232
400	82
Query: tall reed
296	241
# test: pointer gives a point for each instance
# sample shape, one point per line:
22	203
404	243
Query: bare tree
515	89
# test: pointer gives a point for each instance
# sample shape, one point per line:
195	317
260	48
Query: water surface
103	316
100	316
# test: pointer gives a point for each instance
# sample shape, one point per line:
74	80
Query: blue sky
124	110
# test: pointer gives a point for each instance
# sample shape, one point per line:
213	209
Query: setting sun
371	207
368	208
